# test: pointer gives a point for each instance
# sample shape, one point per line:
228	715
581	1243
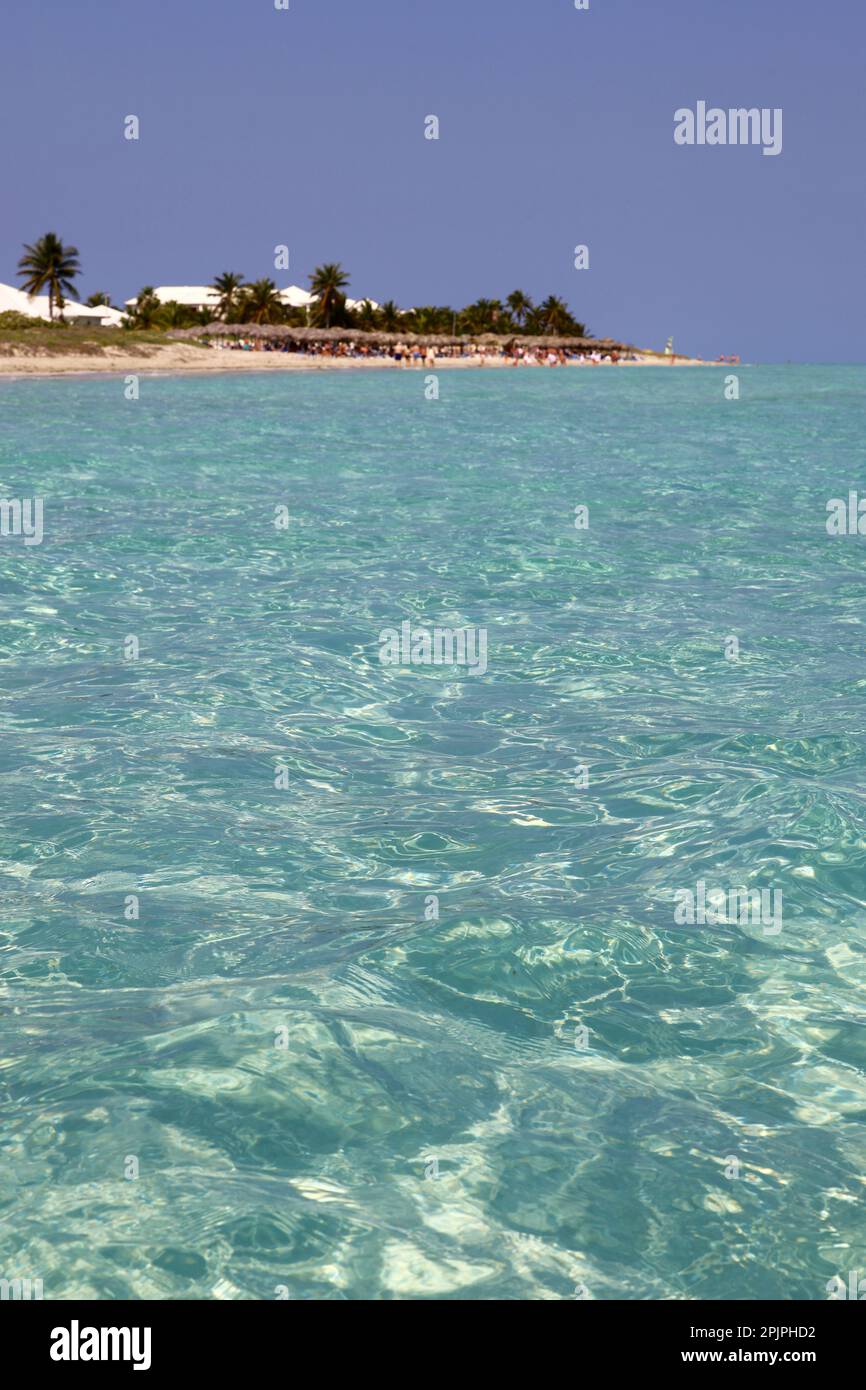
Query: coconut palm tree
327	283
227	286
365	316
492	310
427	319
553	316
174	315
520	305
146	311
260	303
97	299
481	317
390	317
49	263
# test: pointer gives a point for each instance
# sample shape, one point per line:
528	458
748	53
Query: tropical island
322	326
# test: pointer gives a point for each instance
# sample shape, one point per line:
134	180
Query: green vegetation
147	312
40	336
259	302
10	318
48	264
327	283
228	288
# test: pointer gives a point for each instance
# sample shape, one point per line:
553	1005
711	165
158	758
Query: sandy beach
185	358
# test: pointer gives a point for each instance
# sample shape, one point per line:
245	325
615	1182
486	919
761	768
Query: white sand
181	358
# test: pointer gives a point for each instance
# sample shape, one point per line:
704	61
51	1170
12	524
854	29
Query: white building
190	296
99	315
296	298
37	307
203	297
302	299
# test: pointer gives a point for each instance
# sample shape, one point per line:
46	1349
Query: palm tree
146	311
482	316
520	305
49	263
260	303
174	315
97	299
554	317
365	316
491	310
227	286
390	316
426	319
326	284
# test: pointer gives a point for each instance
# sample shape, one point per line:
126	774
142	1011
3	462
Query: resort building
203	297
37	307
190	296
297	298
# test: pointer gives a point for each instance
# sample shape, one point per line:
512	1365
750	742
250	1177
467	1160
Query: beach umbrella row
379	338
574	344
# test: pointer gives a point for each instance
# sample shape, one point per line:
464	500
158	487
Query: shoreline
183	360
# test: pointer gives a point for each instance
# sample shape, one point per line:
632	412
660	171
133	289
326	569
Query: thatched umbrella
380	338
224	330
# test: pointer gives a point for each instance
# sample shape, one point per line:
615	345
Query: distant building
203	297
296	298
190	296
37	307
302	299
103	315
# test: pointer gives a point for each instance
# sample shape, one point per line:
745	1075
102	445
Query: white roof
299	299
296	297
183	294
194	295
20	303
38	307
100	313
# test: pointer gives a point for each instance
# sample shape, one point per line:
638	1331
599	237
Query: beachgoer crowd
419	355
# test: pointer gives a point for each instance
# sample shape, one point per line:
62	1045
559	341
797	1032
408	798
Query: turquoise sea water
295	915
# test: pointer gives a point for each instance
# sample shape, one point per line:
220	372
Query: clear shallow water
303	909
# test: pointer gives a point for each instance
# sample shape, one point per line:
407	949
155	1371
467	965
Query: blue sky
306	127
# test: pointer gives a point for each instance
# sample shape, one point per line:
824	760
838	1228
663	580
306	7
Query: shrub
11	318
